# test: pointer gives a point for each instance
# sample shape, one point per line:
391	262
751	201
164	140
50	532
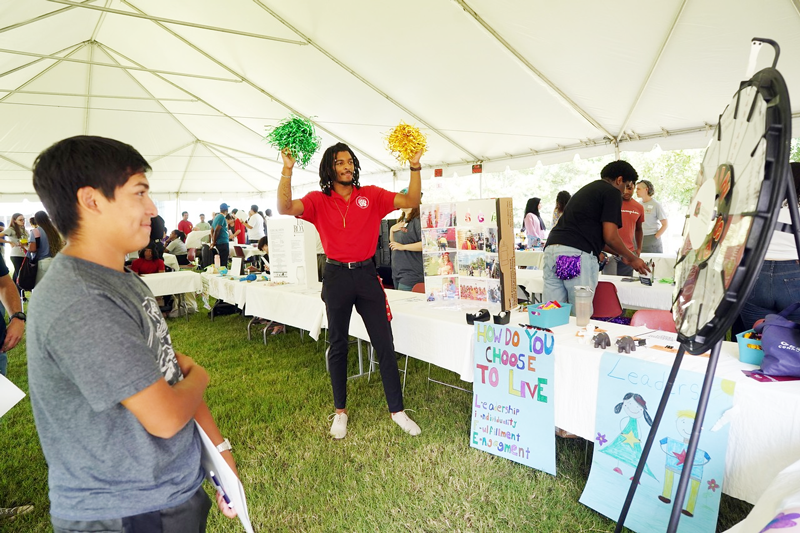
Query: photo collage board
460	252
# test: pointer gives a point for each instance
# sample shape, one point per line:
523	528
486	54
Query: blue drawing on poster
628	391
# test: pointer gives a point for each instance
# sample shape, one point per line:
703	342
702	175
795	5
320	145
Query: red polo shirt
632	211
185	226
349	232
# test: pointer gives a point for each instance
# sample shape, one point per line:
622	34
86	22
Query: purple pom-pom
568	267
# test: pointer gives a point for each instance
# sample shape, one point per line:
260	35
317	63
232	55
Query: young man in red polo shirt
631	231
347	217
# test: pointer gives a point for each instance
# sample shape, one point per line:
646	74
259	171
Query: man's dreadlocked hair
327	174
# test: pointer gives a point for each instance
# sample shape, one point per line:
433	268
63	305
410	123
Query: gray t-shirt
96	337
653	214
406	265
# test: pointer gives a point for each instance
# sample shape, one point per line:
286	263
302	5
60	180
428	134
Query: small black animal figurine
626	344
601	340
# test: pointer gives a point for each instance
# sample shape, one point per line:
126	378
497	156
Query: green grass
272	402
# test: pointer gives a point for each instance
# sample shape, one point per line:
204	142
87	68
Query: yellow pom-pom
404	141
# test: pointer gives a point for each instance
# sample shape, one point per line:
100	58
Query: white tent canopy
193	84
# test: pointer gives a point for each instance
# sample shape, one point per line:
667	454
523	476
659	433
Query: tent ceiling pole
215	148
20	165
652	70
366	82
41	17
186	168
88	91
132	77
796	4
26	65
566	99
178	149
256	87
42	73
111	96
110	65
179	22
256	189
100	20
196	98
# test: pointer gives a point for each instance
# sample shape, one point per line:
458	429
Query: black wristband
414	169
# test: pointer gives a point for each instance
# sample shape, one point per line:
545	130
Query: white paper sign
293	251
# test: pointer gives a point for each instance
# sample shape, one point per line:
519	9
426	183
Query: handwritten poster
628	395
512	407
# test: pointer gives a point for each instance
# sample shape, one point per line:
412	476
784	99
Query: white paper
10	395
213	460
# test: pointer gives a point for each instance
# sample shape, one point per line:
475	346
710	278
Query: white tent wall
194	85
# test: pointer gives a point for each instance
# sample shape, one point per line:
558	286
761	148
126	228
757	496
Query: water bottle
583	305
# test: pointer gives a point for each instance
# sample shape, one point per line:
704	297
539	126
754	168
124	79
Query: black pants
341	289
189	517
17	262
224	250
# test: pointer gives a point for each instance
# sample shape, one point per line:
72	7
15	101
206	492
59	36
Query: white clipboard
10	395
212	460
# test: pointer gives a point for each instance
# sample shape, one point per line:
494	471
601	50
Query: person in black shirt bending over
591	221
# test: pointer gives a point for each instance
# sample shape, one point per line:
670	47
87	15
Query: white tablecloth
632	294
228	288
173	282
293	305
534	258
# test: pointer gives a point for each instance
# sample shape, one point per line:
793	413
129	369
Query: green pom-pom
298	135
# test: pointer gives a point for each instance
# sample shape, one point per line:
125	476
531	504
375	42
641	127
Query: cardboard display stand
293	251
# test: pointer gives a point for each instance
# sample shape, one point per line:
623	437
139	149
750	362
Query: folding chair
654	319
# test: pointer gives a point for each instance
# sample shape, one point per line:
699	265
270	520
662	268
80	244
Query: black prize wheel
740	187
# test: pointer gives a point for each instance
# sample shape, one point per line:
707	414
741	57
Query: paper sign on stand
10	395
627	397
512	408
293	251
213	461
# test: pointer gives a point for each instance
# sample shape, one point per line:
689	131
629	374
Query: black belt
351	266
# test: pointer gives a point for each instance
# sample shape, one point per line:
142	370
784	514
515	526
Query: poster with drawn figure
438	215
512	408
628	394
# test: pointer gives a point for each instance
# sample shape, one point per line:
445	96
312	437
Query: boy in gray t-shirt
114	404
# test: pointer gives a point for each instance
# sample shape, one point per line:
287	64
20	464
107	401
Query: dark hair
327	174
234	211
82	161
254	208
533	207
561	200
619	168
269	213
32	220
53	237
181	235
638	400
262	241
185	213
411	216
153	252
19	230
203	215
650	189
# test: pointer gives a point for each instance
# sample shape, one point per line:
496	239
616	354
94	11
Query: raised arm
412	198
287	206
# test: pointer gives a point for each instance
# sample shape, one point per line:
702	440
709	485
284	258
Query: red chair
606	302
654	319
419	287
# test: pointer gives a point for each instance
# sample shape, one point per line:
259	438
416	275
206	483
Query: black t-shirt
581	225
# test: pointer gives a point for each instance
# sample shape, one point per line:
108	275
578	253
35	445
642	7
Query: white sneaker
408	425
339	426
